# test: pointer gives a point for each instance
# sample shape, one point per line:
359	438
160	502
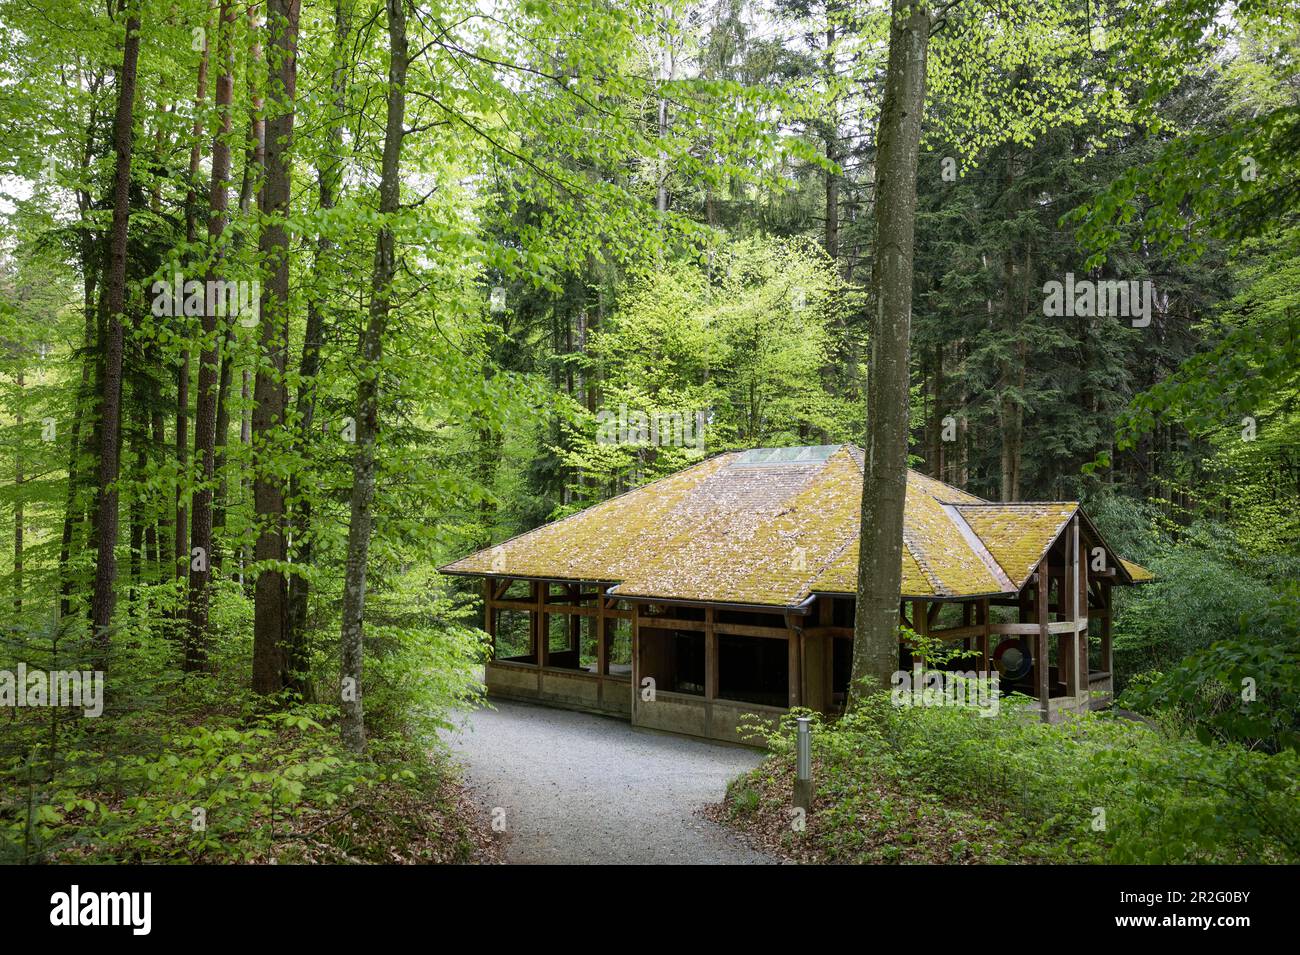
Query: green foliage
195	768
422	660
738	343
1244	689
1091	789
152	786
1180	612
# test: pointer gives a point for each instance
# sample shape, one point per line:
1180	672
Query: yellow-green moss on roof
772	529
1139	573
767	557
1017	535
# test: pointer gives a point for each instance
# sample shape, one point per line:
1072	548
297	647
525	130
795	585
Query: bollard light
803	764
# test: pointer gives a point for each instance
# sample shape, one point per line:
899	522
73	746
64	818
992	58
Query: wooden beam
529	604
828	631
554	609
737	629
1032	629
958	633
670	623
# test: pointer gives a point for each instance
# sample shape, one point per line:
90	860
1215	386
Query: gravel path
578	788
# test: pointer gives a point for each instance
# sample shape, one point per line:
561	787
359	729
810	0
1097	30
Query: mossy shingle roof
771	528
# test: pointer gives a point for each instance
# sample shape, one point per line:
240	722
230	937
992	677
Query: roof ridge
984	503
945	484
923	562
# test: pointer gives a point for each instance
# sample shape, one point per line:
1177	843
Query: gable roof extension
771	527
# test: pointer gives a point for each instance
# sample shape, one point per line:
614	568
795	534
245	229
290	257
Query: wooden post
793	682
827	619
602	649
1106	659
636	659
1081	613
489	616
982	609
1067	654
1041	664
540	589
574	593
710	656
921	624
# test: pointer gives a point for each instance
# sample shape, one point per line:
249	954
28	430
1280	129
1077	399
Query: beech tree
270	623
109	431
884	479
368	386
205	421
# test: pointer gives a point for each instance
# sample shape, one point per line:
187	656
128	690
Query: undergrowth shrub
1095	788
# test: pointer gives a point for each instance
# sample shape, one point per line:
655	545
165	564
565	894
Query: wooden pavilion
728	588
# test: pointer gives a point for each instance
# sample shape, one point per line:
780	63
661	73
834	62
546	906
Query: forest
301	300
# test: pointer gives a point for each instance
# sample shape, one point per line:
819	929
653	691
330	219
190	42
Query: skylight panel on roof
768	457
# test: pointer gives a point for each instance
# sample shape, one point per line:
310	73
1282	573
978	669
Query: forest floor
577	788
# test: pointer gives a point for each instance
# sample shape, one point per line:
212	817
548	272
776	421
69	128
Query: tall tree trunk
372	349
135	514
205	412
832	142
254	161
330	177
667	72
182	542
1011	414
938	411
254	176
157	536
271	612
246	439
18	496
221	437
115	299
73	511
884	482
91	251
